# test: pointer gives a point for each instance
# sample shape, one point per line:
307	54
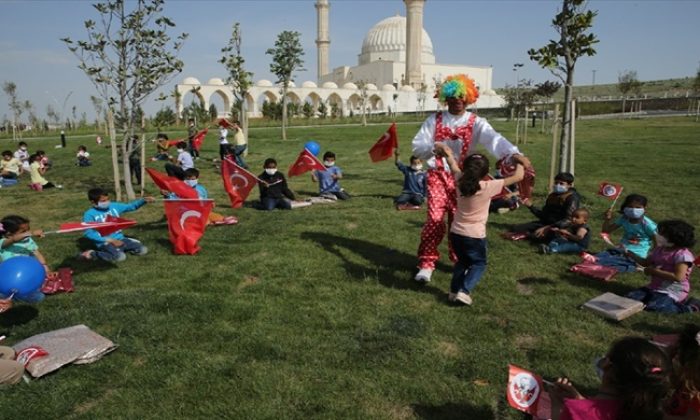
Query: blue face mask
559	189
191	182
633	213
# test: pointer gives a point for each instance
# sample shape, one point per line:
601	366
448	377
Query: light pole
517	66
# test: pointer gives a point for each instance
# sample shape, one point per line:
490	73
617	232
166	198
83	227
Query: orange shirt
473	211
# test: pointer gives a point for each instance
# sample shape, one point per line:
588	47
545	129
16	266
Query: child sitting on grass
112	247
685	400
10	166
22	155
635	379
414	178
17	241
37	174
82	157
274	192
669	265
573	239
328	184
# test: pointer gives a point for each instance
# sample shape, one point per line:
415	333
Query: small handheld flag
238	182
172	184
524	389
609	190
199	139
187	221
384	147
305	162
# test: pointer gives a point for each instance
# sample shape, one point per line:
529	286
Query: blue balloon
21	276
312	147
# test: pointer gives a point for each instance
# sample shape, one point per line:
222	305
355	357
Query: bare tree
627	82
572	24
286	58
10	89
238	77
128	56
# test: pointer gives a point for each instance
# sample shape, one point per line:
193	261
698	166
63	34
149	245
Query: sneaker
424	275
544	249
87	255
503	210
464	298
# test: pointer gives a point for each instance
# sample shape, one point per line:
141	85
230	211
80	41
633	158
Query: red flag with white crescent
609	190
172	184
109	226
384	147
187	221
524	389
198	139
238	182
507	166
305	162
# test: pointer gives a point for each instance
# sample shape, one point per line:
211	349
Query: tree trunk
115	157
566	124
244	121
284	112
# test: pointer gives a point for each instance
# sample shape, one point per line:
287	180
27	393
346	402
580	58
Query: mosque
396	73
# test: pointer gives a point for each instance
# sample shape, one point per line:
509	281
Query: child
10	166
223	140
162	146
414	178
573	239
182	163
11	371
468	230
17	241
685	401
240	145
192	180
112	247
22	155
44	161
638	232
669	265
557	210
83	157
328	184
635	379
274	192
37	174
135	160
191	134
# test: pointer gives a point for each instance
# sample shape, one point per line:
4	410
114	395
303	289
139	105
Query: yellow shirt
239	138
36	175
11	165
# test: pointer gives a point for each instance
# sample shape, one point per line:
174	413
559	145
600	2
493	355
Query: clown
459	130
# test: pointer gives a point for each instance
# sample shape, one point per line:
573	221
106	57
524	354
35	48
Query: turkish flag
506	167
524	389
172	143
384	147
199	139
172	184
109	226
187	221
224	123
305	162
609	190
237	182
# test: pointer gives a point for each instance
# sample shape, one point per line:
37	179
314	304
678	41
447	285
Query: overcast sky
658	39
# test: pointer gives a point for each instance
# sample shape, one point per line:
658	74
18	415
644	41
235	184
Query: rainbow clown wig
458	86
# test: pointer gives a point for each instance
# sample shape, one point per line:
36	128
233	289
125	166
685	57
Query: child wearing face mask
22	155
112	247
182	163
274	192
669	265
414	178
16	240
192	180
556	212
328	184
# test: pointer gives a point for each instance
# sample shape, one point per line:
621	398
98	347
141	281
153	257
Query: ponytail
475	167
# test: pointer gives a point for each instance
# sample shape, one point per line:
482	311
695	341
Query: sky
657	39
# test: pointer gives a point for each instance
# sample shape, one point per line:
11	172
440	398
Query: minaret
323	40
414	36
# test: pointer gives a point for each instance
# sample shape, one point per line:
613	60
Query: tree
286	58
308	110
128	56
546	90
362	87
213	112
97	103
164	117
560	56
696	83
238	77
10	89
627	82
322	110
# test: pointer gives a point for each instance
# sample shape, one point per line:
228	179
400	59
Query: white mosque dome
215	81
264	83
290	84
329	85
350	85
386	41
371	86
388	88
308	84
190	81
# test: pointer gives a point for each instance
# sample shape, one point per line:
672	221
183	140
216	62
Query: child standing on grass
635	379
468	230
112	247
573	239
17	241
328	184
82	158
37	174
669	265
274	192
414	178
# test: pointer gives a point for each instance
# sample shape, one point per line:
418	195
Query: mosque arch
376	103
222	102
355	103
314	99
335	99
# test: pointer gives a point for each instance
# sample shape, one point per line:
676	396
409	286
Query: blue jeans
269	203
409	198
238	154
560	245
471	262
109	252
657	302
616	259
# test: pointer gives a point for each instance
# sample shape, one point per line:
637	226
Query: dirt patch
89	405
480	382
523	288
248	281
525	342
351	226
448	349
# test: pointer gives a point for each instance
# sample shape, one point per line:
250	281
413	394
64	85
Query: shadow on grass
452	411
383	260
591	283
18	315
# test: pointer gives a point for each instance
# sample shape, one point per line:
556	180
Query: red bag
58	281
593	270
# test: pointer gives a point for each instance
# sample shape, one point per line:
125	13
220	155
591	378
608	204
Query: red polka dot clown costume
460	130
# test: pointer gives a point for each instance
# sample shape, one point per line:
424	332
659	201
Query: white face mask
180	150
328	163
103	204
24	149
270	171
191	182
417	167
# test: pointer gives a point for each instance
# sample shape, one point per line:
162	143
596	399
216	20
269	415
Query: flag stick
181	199
615	200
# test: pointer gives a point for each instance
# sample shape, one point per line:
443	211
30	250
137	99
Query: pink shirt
473	211
666	260
589	409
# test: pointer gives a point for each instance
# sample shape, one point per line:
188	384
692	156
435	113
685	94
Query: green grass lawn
313	313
